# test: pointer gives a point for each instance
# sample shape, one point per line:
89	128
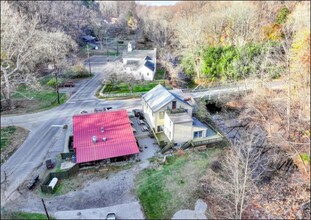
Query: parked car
141	116
83	112
131	114
111	216
68	84
49	164
32	183
136	112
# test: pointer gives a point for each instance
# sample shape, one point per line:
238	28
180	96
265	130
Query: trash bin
73	158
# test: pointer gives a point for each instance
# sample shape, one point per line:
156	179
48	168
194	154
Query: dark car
68	84
141	116
136	112
49	164
32	183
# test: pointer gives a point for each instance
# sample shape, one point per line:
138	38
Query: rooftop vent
102	129
94	139
104	139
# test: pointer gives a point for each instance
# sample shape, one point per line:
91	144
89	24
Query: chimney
129	47
94	139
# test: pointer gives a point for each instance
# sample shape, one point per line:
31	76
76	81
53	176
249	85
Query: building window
147	74
174	105
161	115
197	134
160	128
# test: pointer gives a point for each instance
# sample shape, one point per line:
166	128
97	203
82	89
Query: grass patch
305	158
29	100
23	215
173	186
123	87
7	134
159	74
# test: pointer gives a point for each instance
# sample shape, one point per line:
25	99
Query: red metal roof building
117	131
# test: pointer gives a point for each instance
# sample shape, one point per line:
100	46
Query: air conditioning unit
94	139
104	139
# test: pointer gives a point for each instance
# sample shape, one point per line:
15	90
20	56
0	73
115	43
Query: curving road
47	137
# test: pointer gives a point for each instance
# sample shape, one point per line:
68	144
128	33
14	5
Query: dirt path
100	191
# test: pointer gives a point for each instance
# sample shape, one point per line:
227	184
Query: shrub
52	82
78	71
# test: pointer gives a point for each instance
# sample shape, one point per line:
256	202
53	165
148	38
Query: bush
52	82
77	71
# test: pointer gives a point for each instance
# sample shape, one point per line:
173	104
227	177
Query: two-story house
141	64
167	111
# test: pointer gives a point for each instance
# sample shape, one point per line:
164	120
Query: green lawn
24	215
38	100
174	186
123	88
159	74
7	134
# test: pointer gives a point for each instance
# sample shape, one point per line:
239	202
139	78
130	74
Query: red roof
117	129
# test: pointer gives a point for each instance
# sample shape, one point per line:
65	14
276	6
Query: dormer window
174	105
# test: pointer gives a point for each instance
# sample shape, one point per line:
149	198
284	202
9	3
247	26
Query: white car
111	216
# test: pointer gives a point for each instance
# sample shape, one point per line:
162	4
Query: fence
60	175
133	94
64	156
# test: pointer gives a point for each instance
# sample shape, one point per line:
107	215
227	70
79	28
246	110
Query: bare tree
23	46
233	182
114	72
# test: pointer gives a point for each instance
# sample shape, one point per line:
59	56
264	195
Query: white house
140	63
169	112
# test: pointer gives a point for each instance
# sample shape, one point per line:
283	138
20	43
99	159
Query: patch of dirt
21	107
14	143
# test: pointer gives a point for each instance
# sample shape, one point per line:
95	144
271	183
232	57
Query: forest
209	42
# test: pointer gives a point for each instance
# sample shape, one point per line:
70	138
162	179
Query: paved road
47	136
124	211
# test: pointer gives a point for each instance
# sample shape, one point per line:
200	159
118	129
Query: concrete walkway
124	211
197	213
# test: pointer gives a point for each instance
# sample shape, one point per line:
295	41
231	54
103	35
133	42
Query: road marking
58	126
71	102
82	100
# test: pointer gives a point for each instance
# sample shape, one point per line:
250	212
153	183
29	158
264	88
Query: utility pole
46	211
107	45
56	81
88	57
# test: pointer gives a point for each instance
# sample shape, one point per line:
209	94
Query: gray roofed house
159	96
145	63
169	113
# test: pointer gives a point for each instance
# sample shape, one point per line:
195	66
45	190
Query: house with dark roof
140	63
169	112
